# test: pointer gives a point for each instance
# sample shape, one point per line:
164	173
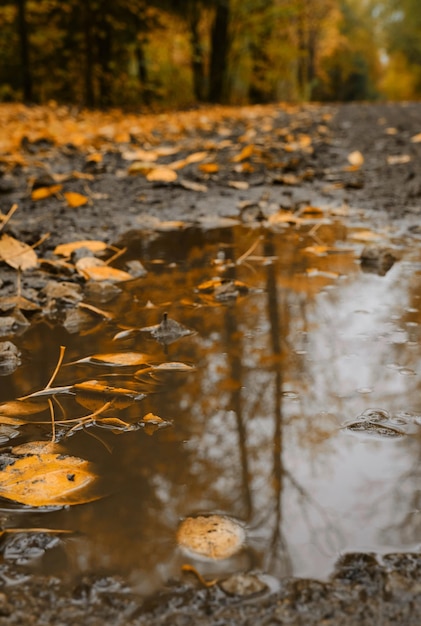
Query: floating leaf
66	249
15	409
16	253
75	199
96	387
168	330
213	537
173	366
49	391
371	427
119	359
45	192
47	479
92	268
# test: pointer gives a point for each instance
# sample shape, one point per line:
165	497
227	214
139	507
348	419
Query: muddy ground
383	188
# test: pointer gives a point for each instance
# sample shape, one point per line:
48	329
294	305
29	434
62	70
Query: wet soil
385	189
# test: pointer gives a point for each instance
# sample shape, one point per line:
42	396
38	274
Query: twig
248	252
53	424
193	570
8	216
59	362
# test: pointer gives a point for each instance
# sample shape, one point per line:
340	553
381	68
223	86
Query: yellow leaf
150	417
209	168
45	192
95	269
416	138
118	358
16	253
74	199
47	479
245	153
162	175
196	157
66	249
141	167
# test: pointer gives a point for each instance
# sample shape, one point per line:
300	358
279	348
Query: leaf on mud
45	192
139	154
209	168
241	185
92	268
212	537
119	359
47	479
365	235
192	186
75	199
11	302
398	159
16	253
284	218
66	249
245	153
356	158
162	175
416	138
141	167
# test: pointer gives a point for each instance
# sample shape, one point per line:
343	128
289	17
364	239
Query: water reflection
257	428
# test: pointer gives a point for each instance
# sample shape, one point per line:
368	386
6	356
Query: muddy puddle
292	407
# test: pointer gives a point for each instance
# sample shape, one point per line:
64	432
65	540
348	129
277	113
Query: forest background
178	53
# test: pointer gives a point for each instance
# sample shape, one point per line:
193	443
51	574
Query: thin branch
56	371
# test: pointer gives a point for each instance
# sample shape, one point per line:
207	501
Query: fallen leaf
356	158
66	249
99	388
209	168
45	192
398	159
241	185
47	479
192	186
168	330
416	138
75	200
213	537
16	253
173	366
120	359
245	153
92	268
162	175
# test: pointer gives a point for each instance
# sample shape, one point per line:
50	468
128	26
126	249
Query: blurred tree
402	19
24	50
220	43
352	69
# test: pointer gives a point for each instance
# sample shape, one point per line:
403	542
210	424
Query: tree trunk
104	50
24	51
198	65
219	52
89	57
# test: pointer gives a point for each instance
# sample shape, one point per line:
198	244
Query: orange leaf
75	199
45	192
245	153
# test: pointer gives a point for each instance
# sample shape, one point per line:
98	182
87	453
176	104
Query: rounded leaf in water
212	537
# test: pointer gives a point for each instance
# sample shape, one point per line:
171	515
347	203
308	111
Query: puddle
293	407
